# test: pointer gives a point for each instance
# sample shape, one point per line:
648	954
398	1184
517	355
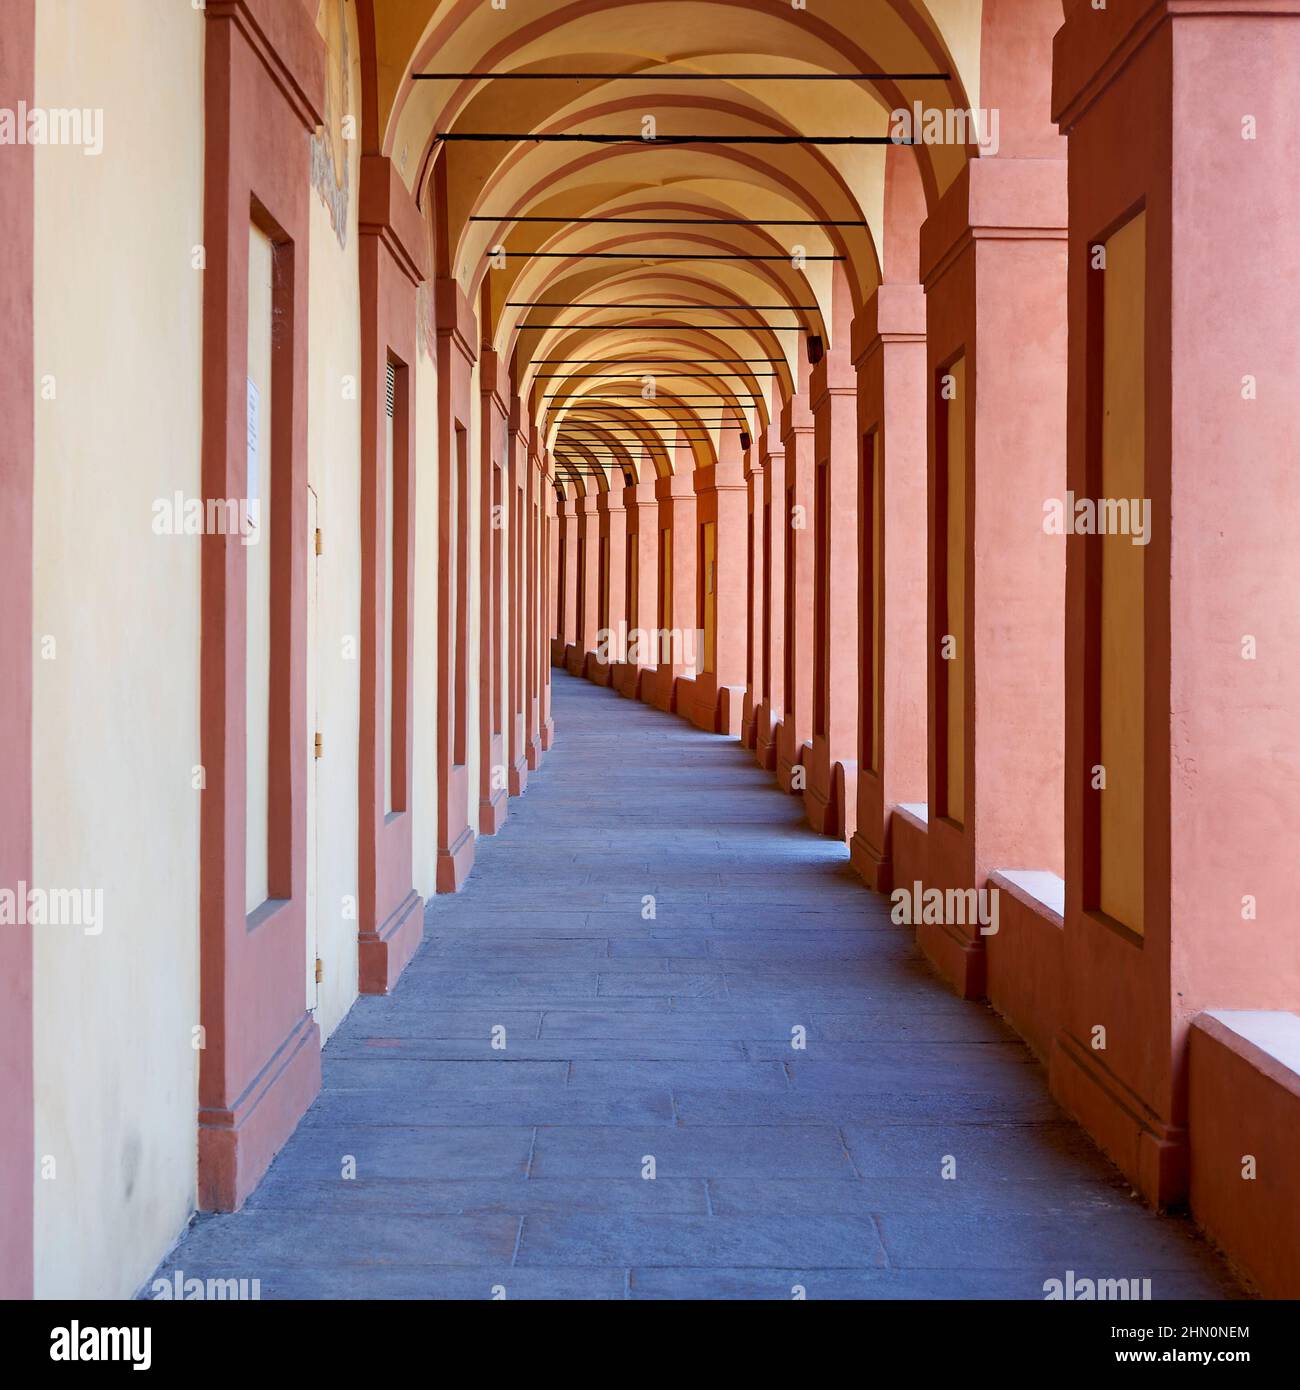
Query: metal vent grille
392	388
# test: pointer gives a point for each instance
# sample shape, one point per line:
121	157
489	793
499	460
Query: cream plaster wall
118	308
334	471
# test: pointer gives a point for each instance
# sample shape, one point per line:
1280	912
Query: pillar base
492	811
382	955
731	706
455	863
960	959
519	775
1151	1153
658	688
236	1146
787	759
627	680
599	672
765	738
548	734
873	868
575	660
533	753
830	799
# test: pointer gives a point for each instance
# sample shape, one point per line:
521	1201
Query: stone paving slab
822	1117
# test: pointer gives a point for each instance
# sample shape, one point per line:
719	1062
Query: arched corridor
779	1160
649	647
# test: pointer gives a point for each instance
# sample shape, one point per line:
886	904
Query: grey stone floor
629	1039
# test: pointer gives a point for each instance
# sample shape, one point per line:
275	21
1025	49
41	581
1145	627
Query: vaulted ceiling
704	263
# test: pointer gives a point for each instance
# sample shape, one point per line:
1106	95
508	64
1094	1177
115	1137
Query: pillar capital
832	376
724	476
771	446
674	487
494	383
796	416
455	319
893	314
997	200
386	210
639	494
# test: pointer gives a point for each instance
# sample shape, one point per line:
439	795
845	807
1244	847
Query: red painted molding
457	339
493	801
391	913
260	1066
288	46
386	210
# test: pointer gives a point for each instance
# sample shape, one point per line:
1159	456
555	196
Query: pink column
993	264
1220	638
566	642
536	583
889	353
642	539
675	624
611	603
798	512
390	923
771	666
260	1068
830	797
494	413
458	340
588	582
521	597
755	550
717	693
17	80
551	580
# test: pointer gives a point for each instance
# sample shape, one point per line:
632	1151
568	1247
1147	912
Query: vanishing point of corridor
647	941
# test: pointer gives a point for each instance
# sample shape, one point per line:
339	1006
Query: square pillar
586	583
770	673
755	551
717	693
831	792
390	922
889	354
641	581
993	264
540	607
674	627
17	1080
494	414
458	337
611	603
798	511
259	1069
566	641
519	615
1183	652
550	579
